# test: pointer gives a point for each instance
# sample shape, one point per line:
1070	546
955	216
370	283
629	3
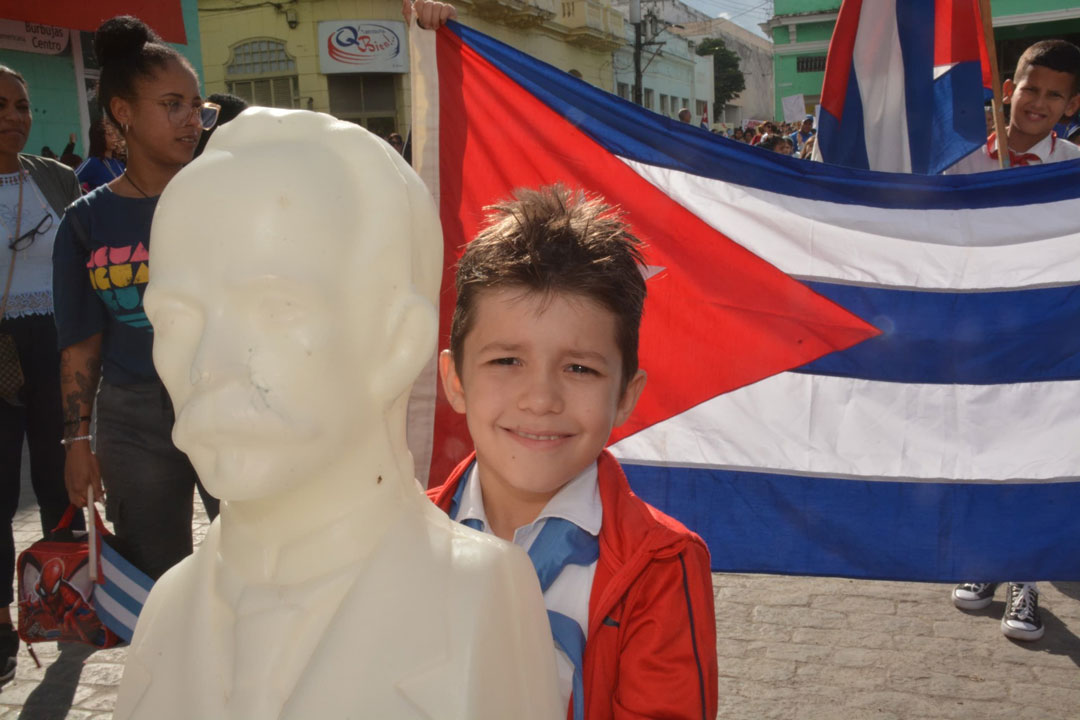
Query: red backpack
56	586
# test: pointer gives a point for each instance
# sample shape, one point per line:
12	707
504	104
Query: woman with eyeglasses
33	194
100	270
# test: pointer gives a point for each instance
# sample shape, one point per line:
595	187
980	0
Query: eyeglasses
180	113
27	238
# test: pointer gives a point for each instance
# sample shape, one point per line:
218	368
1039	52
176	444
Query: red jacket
651	649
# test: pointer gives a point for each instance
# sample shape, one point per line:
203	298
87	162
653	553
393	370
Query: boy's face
540	385
1038	100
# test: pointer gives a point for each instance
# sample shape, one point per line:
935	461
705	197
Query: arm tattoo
79	392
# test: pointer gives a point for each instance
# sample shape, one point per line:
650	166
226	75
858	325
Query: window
624	91
663	104
367	99
648	98
702	108
261	72
685	103
813	63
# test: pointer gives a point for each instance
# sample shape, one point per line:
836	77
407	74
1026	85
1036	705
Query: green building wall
53	82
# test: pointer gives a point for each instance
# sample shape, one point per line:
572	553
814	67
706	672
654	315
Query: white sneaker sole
1020	634
965	604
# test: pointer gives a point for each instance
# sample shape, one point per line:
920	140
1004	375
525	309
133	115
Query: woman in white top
33	194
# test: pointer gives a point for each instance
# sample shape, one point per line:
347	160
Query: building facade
61	71
755	60
673	75
801	30
349	58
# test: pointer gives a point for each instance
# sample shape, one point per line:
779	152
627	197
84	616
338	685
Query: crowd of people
786	138
72	308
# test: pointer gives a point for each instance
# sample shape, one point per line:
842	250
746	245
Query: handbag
56	584
11	372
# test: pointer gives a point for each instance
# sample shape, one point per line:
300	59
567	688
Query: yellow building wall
222	26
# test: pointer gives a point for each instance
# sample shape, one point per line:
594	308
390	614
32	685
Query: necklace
127	176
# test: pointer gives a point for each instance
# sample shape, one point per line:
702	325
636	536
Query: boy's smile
1037	102
540	385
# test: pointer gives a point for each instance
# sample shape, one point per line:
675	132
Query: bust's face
264	323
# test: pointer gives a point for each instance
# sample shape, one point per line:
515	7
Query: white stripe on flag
802	423
114	608
803	237
424	77
940	70
879	67
123	582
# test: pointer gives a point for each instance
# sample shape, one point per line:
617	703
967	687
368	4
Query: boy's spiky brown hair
553	240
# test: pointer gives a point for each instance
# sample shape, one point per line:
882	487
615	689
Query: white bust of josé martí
296	265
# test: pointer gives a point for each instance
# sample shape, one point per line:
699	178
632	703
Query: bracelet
80	421
72	440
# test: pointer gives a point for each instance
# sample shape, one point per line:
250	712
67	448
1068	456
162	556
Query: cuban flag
904	85
120	589
850	373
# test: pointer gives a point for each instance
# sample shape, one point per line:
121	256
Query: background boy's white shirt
1048	149
579	502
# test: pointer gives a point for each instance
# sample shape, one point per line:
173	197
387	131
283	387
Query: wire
751	9
279	6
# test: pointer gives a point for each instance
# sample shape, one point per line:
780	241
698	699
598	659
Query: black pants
40	421
149	483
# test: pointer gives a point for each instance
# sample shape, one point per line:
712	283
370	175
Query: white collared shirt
1048	150
578	502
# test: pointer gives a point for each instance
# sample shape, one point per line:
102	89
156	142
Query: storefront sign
362	46
33	37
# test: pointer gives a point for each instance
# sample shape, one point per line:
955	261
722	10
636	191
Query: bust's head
295	267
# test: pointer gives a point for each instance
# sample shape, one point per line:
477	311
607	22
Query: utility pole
635	19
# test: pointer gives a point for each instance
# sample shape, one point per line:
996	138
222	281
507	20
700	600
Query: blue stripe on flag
121	629
915	27
120	597
638	134
128	570
959	129
845	139
922	531
971	338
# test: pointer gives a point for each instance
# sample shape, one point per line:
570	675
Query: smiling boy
543	363
1045	86
1042	90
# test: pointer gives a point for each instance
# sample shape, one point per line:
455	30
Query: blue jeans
149	483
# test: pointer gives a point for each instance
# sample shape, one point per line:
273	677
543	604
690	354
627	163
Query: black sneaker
973	596
9	649
1022	620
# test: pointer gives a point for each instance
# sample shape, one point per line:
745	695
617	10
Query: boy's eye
504	361
582	370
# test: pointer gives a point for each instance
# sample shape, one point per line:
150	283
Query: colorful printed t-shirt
99	277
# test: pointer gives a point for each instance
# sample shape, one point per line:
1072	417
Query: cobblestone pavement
789	647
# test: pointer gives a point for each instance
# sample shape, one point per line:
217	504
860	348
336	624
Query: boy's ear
1073	105
1007	89
451	383
630	397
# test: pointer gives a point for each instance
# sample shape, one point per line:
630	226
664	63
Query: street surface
789	647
